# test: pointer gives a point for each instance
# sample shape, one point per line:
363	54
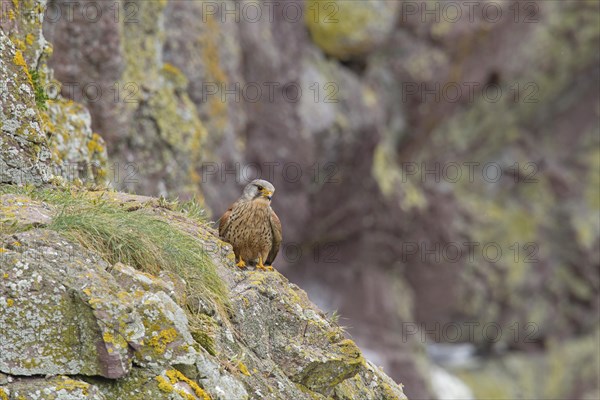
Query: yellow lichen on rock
175	377
243	369
72	385
160	341
142	328
346	29
164	384
20	61
95	145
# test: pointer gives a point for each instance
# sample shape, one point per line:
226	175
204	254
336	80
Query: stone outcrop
68	314
43	133
24	153
350	30
137	99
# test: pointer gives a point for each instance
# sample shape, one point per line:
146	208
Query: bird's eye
260	187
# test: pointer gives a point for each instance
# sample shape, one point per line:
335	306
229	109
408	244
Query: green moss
217	109
321	376
307	391
350	349
343	28
203	329
180	131
40	94
57	344
71	385
139	384
205	340
173	74
140	50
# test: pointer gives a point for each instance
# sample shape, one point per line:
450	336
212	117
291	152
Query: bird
251	226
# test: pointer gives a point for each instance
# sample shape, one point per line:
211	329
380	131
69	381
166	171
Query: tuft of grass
137	238
56	196
9	228
334	319
30	191
142	240
192	209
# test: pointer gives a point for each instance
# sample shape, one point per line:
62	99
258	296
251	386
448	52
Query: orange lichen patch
167	387
176	376
19	44
93	302
162	340
95	144
108	337
47	124
10	302
243	369
29	39
122	295
116	342
171	69
20	61
164	385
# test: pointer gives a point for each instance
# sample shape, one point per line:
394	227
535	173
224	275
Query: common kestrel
251	226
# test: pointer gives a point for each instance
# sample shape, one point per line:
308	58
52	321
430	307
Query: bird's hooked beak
267	194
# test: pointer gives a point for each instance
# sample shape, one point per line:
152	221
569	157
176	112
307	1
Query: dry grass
137	238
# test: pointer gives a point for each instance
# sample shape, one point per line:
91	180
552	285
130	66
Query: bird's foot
262	266
241	264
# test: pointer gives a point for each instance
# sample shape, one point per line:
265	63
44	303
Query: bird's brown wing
277	237
224	222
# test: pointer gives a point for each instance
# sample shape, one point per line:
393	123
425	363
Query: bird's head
258	189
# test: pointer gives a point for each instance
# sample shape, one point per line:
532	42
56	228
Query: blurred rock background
437	164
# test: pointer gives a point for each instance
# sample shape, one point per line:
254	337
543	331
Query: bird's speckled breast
250	229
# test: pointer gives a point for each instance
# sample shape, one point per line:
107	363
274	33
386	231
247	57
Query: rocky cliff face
97	329
43	133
